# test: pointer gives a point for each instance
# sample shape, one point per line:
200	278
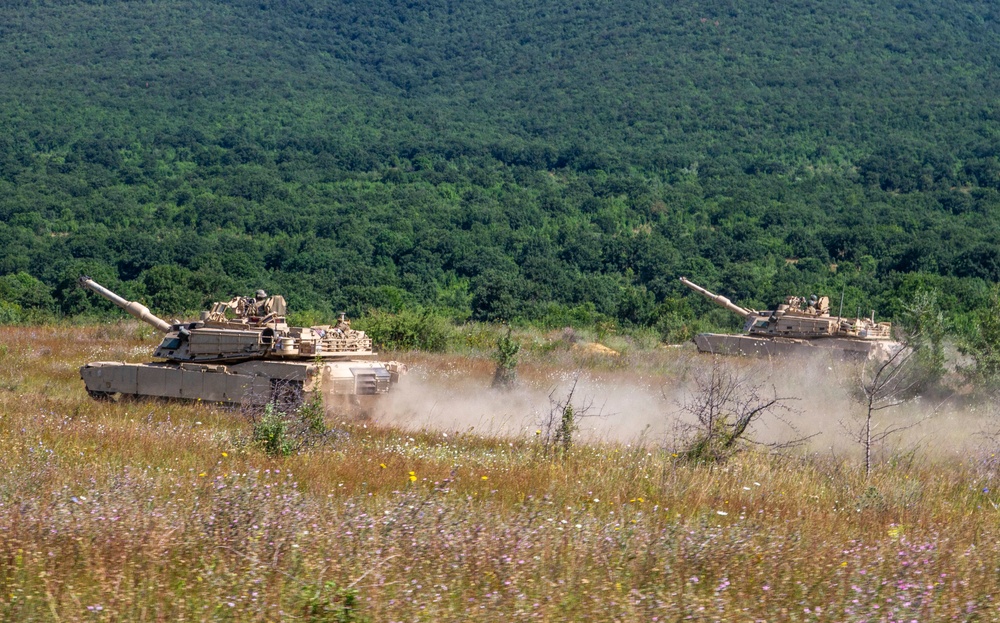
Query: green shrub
309	318
407	330
10	313
281	434
270	432
329	602
505	355
477	336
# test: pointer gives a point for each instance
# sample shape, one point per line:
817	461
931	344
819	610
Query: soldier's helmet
261	294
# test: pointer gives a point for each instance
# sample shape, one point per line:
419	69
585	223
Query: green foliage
329	603
311	414
675	321
714	444
556	315
557	429
406	330
172	290
924	331
10	313
536	177
278	433
983	345
25	291
24	298
270	432
309	318
477	336
567	426
505	356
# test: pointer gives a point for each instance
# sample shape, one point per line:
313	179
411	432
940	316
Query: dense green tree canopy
524	160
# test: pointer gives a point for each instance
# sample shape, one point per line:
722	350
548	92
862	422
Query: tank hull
754	346
249	383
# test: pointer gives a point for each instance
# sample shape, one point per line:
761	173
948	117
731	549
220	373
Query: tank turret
797	325
243	349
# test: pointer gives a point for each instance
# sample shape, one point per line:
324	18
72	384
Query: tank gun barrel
718	299
135	309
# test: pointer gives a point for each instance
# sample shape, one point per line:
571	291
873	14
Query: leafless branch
725	404
559	426
883	385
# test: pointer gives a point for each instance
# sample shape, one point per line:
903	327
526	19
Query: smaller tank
244	352
797	326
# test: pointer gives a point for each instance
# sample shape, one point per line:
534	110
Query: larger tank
798	326
243	352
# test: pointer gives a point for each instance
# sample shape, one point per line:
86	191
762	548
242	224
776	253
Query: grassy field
160	511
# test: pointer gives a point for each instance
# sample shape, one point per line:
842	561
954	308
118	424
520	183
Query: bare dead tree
884	384
559	426
725	404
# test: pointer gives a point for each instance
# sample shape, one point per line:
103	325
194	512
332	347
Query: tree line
532	162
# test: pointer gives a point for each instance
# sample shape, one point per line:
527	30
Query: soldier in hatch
259	305
343	325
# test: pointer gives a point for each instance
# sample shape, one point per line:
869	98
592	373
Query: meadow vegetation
138	511
537	165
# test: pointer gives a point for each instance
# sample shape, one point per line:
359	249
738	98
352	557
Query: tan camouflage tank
243	352
798	326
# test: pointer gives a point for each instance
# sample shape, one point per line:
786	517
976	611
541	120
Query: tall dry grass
155	511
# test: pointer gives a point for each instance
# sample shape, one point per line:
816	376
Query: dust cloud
618	411
631	406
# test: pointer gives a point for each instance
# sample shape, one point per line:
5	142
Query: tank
243	352
798	326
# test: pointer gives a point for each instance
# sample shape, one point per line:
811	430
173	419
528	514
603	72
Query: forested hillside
525	160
